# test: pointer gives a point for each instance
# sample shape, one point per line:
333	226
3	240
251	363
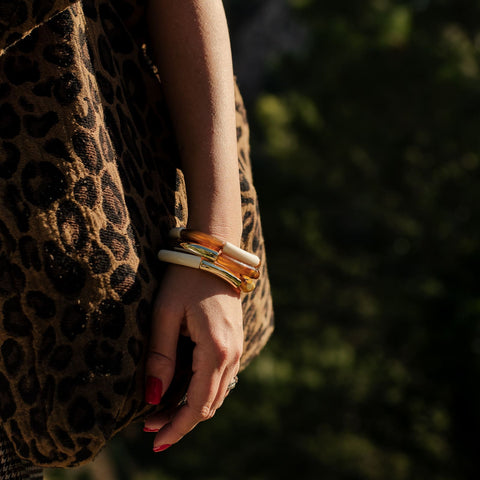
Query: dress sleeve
19	17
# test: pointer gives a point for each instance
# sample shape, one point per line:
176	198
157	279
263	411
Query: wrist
226	229
220	218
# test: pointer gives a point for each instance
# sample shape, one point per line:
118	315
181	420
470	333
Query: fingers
206	393
160	364
154	423
224	389
212	317
201	395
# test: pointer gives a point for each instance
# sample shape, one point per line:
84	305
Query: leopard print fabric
89	186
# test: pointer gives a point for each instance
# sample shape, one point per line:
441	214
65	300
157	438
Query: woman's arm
192	50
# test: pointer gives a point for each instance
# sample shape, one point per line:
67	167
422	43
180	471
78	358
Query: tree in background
366	143
370	150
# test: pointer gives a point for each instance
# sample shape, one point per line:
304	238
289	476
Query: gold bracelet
244	284
235	266
214	243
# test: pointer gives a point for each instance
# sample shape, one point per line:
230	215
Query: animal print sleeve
19	17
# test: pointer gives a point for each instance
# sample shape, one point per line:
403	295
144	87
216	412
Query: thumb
160	364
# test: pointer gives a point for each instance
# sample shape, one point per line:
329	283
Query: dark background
365	119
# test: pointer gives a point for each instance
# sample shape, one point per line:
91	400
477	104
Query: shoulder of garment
19	17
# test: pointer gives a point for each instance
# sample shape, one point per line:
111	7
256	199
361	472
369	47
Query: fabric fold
19	17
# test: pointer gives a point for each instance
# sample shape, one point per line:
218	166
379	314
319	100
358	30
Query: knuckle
237	355
225	354
205	413
222	353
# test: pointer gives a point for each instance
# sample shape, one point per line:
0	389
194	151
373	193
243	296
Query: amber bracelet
244	284
235	266
214	243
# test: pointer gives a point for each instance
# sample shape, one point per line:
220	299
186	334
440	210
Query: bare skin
192	50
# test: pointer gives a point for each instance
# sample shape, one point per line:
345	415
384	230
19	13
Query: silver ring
232	384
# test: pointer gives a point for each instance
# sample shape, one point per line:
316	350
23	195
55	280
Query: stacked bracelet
214	243
205	252
222	260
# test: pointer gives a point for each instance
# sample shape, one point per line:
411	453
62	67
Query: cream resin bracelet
244	284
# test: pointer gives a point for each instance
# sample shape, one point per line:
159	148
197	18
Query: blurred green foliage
370	145
366	152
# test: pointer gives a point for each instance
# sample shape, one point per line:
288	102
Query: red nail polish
153	390
150	430
161	448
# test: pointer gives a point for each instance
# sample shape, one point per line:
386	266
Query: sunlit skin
191	47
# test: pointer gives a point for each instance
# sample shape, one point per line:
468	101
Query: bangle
245	284
235	266
202	251
214	243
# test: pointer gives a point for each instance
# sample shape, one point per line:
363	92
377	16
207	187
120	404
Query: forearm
191	47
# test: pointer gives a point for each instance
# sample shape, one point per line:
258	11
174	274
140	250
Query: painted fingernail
149	430
161	448
153	390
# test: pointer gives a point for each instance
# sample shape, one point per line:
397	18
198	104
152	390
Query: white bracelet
192	261
179	258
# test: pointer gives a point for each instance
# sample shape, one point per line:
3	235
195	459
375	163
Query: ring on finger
230	387
232	384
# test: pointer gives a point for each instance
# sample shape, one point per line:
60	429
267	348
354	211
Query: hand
205	308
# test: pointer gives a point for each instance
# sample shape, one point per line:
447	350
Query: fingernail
149	430
161	447
153	391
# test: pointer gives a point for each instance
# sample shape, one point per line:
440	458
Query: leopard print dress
90	183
